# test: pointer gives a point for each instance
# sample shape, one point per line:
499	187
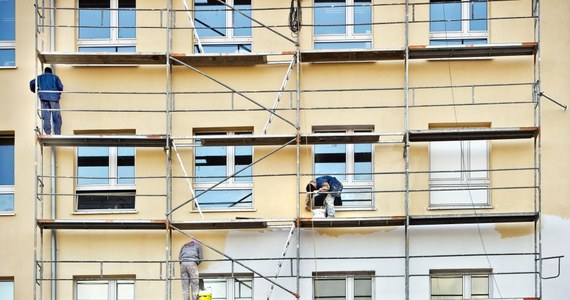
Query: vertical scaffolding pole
538	152
168	155
406	158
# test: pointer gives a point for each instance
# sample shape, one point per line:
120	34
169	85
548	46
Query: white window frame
114	40
349	36
111	283
230	38
230	280
461	180
231	183
466	276
9	280
466	33
349	182
349	280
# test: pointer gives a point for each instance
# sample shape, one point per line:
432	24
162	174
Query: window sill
195	211
460	207
340	208
8	67
7	214
111	212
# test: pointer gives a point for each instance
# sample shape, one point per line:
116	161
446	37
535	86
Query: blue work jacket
47	82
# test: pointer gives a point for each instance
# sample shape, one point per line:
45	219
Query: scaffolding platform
225	60
111	224
94	140
525	217
464	134
356	55
466	51
304	139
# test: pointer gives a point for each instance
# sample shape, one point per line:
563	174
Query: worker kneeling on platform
326	191
190	257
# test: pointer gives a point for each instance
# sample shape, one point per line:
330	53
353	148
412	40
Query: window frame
464	180
10	44
349	182
465	35
113	187
349	280
349	37
231	168
231	39
466	276
9	189
112	284
230	283
114	41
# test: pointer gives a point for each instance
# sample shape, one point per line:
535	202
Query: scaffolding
292	133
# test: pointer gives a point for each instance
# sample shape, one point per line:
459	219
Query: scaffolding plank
352	222
101	224
222	224
305	139
473	218
102	58
103	140
465	51
464	134
213	60
356	55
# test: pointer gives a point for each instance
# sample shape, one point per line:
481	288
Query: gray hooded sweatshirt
191	252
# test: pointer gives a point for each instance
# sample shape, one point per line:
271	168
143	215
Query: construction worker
190	257
49	90
327	192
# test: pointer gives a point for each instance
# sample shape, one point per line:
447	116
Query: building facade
444	121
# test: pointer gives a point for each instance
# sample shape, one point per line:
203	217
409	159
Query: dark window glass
97	200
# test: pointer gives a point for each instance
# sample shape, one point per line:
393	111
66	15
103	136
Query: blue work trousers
50	111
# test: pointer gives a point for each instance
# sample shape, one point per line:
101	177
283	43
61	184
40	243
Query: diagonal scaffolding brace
280	94
195	32
186	177
233	90
237	262
280	264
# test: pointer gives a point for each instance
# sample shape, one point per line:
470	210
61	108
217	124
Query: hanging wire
295	17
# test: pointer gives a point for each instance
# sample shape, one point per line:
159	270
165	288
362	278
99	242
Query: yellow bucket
205	295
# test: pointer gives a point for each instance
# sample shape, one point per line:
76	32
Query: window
113	289
459	174
343	286
6	174
107	26
225	287
105	178
213	164
458	22
343	24
7	288
222	29
349	163
7	33
458	284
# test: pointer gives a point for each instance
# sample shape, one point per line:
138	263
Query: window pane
357	197
331	159
126	165
217	287
242	288
7	290
447	286
242	24
92	165
6	161
7	20
342	45
7	57
478	19
97	200
445	16
210	17
446	156
328	13
480	285
363	161
127	18
362	15
6	204
226	48
362	288
92	290
243	157
94	24
125	290
210	164
334	289
217	199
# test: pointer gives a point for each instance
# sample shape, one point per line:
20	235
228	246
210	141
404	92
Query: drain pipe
52	173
